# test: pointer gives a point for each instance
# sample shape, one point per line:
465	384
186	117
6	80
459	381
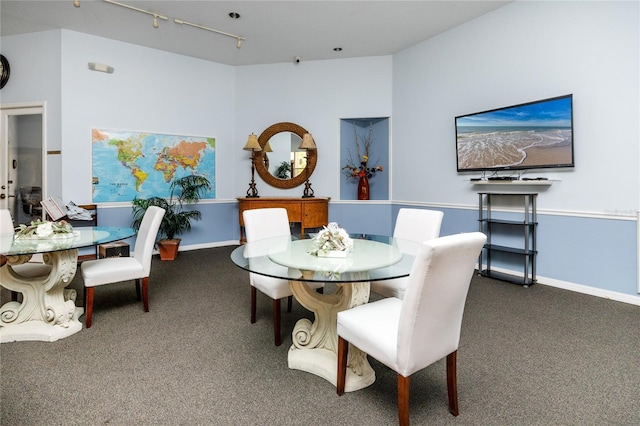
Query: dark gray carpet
536	356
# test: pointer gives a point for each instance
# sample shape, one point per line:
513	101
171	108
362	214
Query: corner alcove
378	129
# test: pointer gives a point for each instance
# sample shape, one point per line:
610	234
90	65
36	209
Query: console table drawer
309	212
315	215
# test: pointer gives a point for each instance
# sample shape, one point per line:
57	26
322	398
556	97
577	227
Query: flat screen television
533	135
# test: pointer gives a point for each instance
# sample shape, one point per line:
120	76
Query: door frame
24	108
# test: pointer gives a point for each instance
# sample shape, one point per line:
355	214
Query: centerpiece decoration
360	169
332	241
39	229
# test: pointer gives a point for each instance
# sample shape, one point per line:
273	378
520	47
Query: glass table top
82	237
373	258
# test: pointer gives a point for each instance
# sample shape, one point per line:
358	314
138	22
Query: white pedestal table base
48	311
315	345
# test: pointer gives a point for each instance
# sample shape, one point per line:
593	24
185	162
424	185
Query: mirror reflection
282	155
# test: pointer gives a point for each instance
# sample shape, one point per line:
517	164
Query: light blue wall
521	52
149	91
314	95
366	217
36	77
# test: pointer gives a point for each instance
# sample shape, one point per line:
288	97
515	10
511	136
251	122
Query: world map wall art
131	164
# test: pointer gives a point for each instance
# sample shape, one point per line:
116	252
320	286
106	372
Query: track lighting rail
157	16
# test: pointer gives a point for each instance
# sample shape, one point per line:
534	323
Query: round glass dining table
47	311
372	258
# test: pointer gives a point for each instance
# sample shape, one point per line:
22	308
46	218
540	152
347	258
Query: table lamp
307	144
254	146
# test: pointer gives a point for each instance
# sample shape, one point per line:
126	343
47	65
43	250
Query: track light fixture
155	15
239	39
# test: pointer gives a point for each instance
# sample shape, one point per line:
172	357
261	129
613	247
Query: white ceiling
275	31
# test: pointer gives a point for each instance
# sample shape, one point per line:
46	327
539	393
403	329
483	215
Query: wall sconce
307	144
254	146
94	66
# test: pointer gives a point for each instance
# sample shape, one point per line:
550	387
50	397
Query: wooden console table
308	212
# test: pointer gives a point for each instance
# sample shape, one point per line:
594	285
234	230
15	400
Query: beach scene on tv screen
537	134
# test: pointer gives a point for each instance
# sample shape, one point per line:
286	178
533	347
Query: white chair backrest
146	238
434	300
418	224
6	223
265	223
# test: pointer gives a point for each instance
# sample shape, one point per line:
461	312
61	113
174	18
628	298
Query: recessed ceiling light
337	49
234	15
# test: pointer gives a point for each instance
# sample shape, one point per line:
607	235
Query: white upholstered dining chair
260	224
116	269
410	334
417	225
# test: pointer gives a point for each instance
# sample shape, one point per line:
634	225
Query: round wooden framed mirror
285	157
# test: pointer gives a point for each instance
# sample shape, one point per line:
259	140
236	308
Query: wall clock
4	71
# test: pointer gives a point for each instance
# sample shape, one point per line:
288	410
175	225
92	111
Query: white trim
360	202
598	292
628	215
31	108
121	204
202	246
209	245
23	105
579	288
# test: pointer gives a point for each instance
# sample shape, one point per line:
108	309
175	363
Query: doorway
22	161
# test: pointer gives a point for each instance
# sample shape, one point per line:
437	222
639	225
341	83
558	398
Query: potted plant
177	220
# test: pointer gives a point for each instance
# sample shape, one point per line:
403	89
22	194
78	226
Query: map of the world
129	164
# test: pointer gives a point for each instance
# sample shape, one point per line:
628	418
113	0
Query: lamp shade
307	142
252	144
267	147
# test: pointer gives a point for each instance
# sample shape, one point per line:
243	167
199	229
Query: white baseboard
598	292
203	246
580	288
209	245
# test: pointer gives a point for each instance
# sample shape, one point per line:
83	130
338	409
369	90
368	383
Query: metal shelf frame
493	227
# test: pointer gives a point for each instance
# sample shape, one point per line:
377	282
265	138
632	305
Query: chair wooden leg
253	304
343	351
145	293
276	321
452	382
138	292
403	400
88	306
289	302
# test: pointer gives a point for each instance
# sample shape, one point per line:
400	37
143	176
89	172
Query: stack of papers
77	213
54	208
